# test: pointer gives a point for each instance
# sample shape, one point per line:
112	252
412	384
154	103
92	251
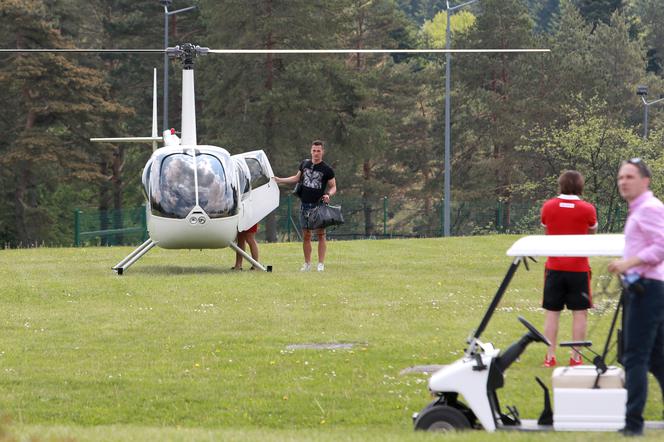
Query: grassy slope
181	348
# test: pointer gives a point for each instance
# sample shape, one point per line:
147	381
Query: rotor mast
187	54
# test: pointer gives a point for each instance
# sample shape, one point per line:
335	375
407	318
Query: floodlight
642	90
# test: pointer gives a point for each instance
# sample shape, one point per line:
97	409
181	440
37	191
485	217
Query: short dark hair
644	170
318	143
571	183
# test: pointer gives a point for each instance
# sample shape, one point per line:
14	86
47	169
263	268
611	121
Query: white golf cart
586	397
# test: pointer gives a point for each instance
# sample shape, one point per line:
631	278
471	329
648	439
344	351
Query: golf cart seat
584	376
579	406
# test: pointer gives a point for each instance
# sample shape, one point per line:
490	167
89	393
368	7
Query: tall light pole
167	14
448	64
642	91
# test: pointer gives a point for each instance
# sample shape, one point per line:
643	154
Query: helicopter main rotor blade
369	51
149	51
203	50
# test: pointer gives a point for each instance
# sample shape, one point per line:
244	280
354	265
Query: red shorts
253	229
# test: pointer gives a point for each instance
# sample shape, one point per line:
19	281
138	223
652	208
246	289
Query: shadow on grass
180	270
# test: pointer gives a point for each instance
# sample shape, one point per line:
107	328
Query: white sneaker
305	267
321	267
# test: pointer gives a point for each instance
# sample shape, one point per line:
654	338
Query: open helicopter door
263	197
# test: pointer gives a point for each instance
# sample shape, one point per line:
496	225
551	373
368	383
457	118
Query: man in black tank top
318	184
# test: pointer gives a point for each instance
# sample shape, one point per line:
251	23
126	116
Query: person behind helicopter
318	185
247	237
567	280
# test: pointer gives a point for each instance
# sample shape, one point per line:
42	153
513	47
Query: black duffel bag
297	191
325	215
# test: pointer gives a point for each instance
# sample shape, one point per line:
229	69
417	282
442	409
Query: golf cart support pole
498	296
600	361
621	304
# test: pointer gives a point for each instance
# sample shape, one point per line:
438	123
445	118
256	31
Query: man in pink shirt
642	265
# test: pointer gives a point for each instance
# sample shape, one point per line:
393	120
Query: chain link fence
110	227
369	218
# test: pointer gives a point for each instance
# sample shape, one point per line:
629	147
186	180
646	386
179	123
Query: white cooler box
579	406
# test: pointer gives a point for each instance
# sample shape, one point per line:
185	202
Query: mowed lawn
181	348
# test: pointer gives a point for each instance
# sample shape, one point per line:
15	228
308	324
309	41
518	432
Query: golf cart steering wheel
539	337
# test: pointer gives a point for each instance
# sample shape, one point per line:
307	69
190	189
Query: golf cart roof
568	245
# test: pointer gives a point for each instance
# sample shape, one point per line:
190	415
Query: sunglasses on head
643	168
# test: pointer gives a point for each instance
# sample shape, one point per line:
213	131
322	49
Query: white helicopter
201	196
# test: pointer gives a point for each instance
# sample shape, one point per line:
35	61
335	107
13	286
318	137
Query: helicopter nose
197	218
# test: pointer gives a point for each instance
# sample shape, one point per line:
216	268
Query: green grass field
181	348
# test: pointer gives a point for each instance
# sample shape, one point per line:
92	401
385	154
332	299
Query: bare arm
622	265
593	229
290	180
331	190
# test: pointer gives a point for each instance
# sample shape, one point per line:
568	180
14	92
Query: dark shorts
305	209
567	289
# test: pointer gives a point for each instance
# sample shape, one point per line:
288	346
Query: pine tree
649	14
123	24
58	101
278	103
498	89
598	11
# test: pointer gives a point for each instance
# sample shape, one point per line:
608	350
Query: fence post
499	216
288	216
385	216
77	228
442	217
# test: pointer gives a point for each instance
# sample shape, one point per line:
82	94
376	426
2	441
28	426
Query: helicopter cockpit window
258	175
216	191
172	188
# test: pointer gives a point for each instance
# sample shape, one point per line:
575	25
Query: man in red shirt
567	280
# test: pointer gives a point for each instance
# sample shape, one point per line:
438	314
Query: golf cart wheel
441	418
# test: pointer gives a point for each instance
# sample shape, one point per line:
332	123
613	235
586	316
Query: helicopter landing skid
134	256
248	257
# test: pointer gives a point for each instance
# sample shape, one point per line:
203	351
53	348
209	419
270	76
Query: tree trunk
268	124
23	180
503	183
118	166
104	201
19	204
369	227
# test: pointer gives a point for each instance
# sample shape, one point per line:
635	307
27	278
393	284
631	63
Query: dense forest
518	120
